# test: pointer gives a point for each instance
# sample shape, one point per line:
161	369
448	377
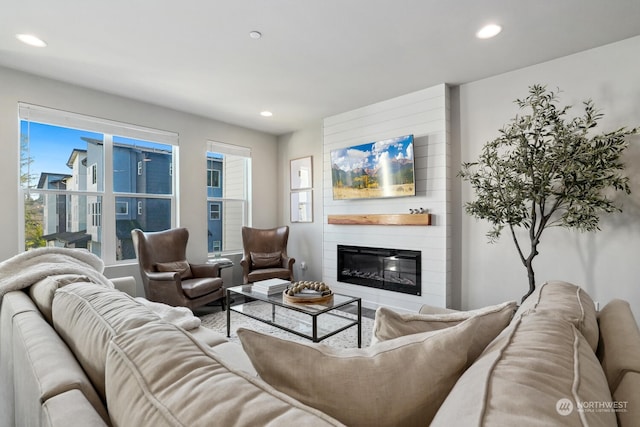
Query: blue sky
51	146
370	154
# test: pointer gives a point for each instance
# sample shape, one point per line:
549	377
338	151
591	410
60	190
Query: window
214	211
228	195
94	173
80	174
122	208
95	213
213	173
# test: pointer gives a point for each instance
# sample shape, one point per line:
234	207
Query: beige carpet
345	339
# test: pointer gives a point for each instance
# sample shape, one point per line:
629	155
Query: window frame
225	149
109	129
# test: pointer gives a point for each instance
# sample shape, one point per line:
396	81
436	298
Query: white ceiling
316	58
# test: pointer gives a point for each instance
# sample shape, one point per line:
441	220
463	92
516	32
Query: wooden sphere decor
295	294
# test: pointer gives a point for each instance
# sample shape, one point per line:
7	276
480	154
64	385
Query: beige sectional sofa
89	355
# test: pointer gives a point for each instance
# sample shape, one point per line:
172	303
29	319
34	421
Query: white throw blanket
27	268
179	316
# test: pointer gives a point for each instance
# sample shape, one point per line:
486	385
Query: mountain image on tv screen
376	169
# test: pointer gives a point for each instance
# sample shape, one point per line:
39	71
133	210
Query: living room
477	273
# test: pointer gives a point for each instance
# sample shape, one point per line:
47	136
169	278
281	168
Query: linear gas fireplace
390	269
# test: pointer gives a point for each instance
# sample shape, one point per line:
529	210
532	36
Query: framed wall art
302	206
301	173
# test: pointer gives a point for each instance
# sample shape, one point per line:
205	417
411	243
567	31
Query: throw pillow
492	320
266	260
400	382
181	267
534	366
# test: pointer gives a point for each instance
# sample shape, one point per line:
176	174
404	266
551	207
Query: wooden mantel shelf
381	219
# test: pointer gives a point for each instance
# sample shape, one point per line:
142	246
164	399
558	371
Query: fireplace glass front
396	270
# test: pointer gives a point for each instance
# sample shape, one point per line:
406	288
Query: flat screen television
374	170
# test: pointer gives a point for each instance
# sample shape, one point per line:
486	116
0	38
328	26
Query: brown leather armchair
166	274
265	254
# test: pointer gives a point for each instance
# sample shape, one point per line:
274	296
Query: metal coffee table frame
314	310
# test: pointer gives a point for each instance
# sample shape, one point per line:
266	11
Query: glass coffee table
313	321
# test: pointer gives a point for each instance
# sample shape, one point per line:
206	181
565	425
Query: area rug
345	339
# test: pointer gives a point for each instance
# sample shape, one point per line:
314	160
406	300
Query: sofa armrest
70	409
287	262
125	284
205	270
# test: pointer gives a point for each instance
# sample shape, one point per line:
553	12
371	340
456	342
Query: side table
223	263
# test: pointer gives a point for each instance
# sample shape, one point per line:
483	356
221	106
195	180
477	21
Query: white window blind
51	116
224	148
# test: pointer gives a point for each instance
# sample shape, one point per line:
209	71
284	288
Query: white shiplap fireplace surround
425	114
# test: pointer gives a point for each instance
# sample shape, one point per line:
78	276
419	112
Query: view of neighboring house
72	220
54	218
214	208
75	220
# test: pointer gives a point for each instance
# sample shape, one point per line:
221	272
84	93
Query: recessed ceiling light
255	34
31	40
266	113
489	31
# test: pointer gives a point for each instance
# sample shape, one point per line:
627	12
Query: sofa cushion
87	316
399	382
181	267
159	375
533	374
619	345
234	356
208	336
565	301
266	260
42	291
45	367
197	287
492	320
269	273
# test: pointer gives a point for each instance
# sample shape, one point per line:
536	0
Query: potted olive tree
544	170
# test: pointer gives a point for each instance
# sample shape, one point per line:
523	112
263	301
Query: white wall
305	239
425	115
194	132
605	263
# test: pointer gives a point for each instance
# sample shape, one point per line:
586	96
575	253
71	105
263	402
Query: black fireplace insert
396	270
